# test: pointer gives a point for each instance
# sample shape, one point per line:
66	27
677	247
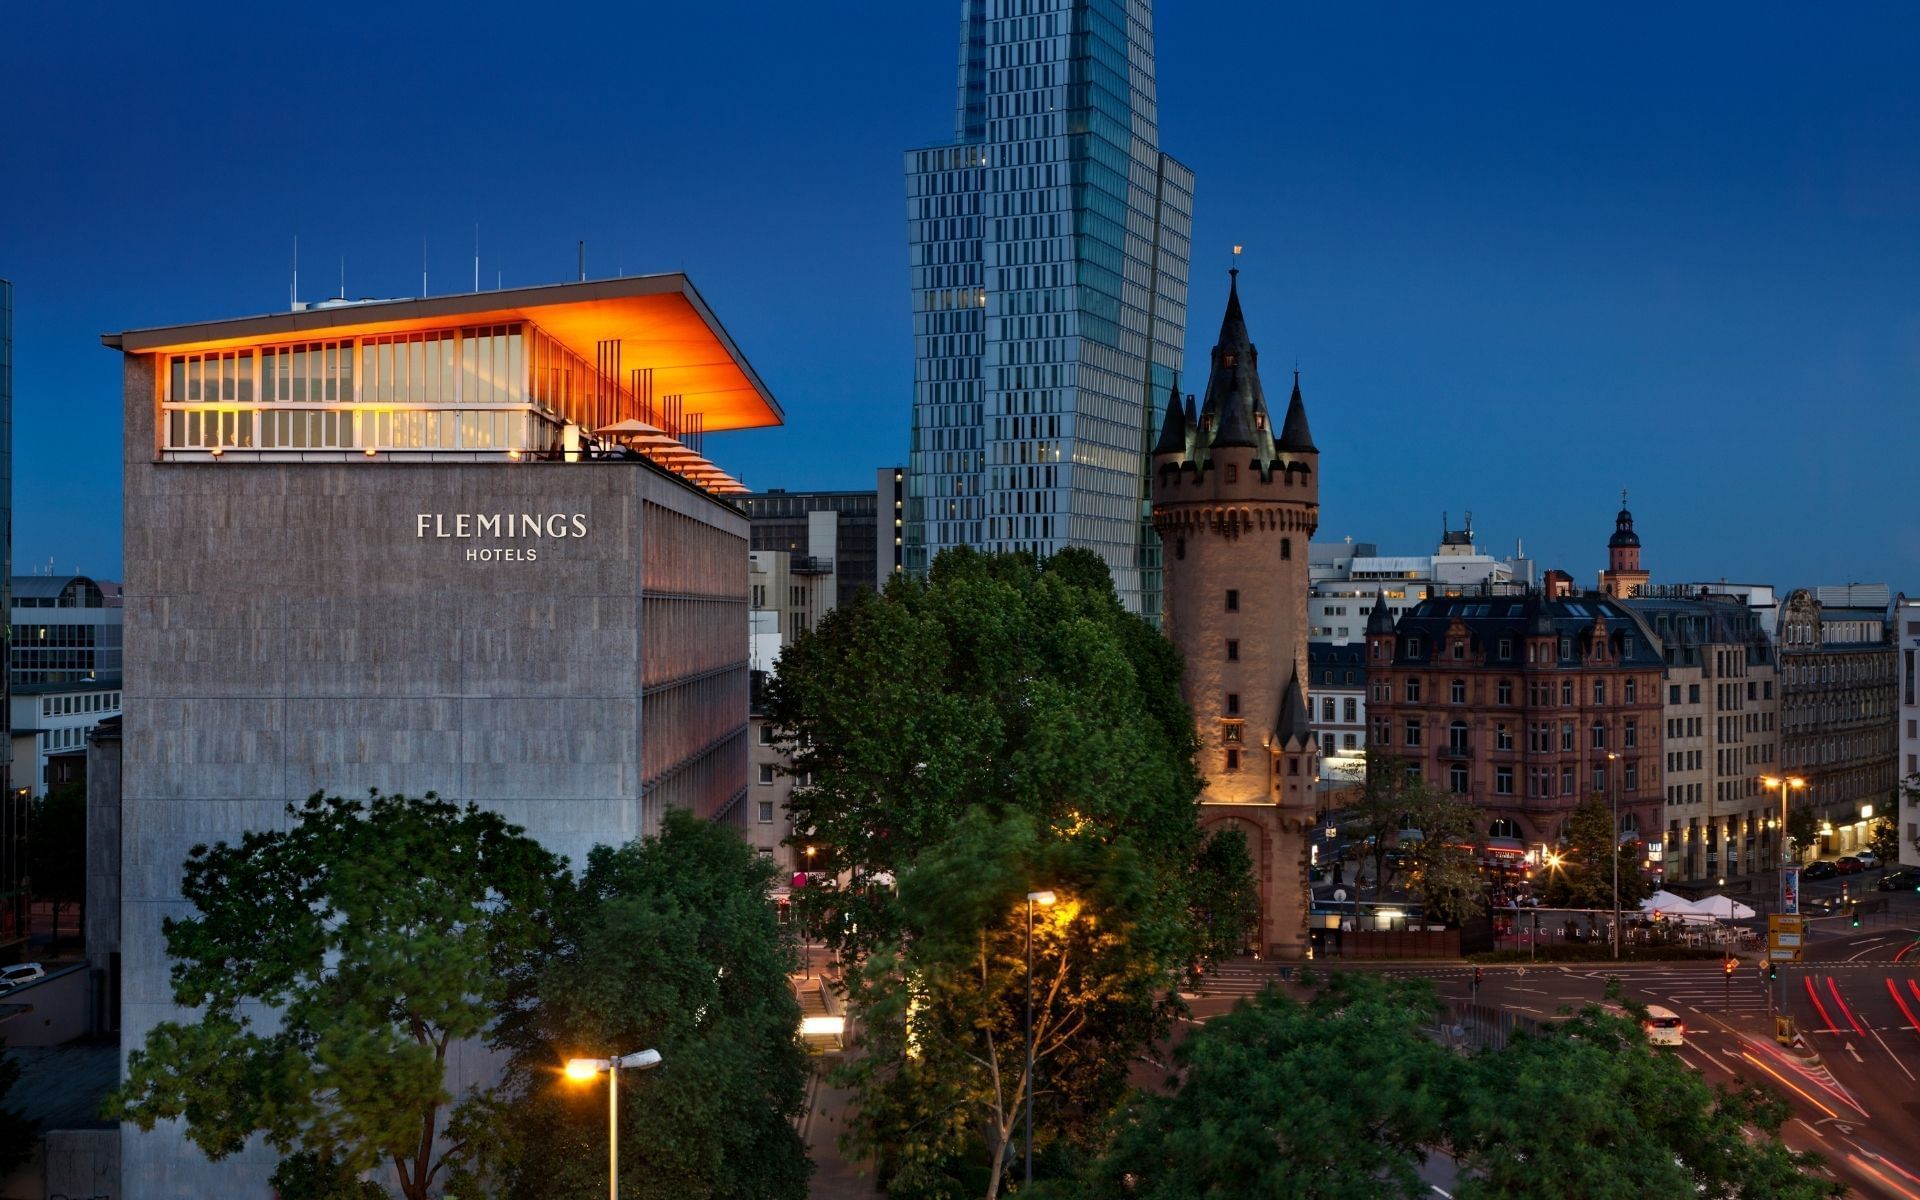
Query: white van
1664	1027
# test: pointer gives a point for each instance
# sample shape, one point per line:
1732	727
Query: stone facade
1235	503
1526	705
1720	713
1838	712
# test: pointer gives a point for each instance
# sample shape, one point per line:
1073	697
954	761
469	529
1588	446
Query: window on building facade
1233	650
1382	732
766	773
1503	692
1412	732
1327	745
1502	737
1506	648
1566	735
1599	691
1233	599
1599	736
1233	760
1230	732
1413	691
1693	693
1349	741
766	812
1457	691
1632	691
1503	781
1566	693
1326	709
1566	781
1459	648
1350	710
1233	704
1457	780
1600	780
1631	774
1457	737
1630	736
1673	693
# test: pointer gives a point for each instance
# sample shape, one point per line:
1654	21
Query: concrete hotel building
377	546
1906	618
1049	252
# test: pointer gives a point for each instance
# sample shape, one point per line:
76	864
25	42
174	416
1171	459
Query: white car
1868	859
1663	1026
19	973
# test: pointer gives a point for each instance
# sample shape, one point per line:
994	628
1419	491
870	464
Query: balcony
1455	751
811	565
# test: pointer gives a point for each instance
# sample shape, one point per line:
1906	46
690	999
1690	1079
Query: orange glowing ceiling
660	321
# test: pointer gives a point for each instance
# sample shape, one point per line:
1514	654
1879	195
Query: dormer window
1459	648
1233	473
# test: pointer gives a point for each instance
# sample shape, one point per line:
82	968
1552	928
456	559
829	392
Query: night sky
1525	255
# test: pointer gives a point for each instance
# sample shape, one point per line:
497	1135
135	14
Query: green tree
667	944
1586	1108
943	1080
1383	805
380	932
57	848
1339	1098
304	1175
1884	839
1225	900
1585	876
1802	830
1444	876
999	694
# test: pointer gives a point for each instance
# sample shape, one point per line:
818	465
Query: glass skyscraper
1049	245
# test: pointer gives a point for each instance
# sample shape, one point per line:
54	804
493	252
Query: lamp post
1613	786
1785	784
1043	899
583	1070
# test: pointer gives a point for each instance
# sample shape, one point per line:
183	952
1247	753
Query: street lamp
1044	900
1613	781
583	1070
1785	783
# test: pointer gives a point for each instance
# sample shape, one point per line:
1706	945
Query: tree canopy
1002	727
666	944
57	847
1585	876
380	932
1348	1096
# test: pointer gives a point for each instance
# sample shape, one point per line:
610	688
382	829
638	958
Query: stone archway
1278	846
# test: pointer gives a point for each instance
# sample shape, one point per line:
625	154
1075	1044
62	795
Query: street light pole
1613	780
581	1070
1043	899
1784	783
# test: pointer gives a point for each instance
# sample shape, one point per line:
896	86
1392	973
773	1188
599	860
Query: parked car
1819	870
1899	881
1868	859
1848	865
19	973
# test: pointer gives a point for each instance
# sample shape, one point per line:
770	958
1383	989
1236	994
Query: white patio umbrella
1668	905
1726	908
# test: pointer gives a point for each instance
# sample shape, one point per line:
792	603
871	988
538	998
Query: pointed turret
1380	620
1173	431
1235	400
1295	437
1294	726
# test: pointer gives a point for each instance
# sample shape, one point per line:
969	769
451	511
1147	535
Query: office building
1049	256
1906	620
465	544
855	535
1347	578
1236	498
65	667
1337	699
1838	710
1720	715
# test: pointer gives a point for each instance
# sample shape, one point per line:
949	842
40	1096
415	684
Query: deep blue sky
1526	255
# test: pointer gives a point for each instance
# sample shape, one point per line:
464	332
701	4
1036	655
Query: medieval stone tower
1623	575
1235	503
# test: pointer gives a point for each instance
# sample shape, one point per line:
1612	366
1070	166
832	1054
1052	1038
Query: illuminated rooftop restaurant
635	368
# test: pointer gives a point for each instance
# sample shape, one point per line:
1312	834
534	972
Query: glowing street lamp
1046	900
584	1070
1786	784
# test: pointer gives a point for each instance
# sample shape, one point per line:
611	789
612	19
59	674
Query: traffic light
1853	913
1773	971
1729	967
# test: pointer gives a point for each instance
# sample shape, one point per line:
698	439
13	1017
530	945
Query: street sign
1783	1030
1777	940
1777	922
1784	953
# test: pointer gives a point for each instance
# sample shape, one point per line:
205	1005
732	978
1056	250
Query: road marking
1833	986
1855	957
1855	1053
1810	1129
1535	991
1890	1053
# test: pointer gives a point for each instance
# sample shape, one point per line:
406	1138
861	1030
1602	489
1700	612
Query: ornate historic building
1838	710
1527	705
1235	502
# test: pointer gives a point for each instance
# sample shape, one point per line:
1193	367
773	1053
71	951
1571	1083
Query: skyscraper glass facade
1050	248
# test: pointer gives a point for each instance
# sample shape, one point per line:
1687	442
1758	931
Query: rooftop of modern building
104	683
658	323
62	591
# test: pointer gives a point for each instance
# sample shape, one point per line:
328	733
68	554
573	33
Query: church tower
1235	502
1623	574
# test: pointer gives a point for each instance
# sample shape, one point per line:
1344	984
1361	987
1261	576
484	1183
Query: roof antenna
476	256
293	292
583	260
343	277
423	266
